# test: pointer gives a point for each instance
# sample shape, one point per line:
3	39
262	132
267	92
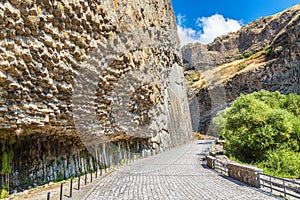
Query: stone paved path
176	174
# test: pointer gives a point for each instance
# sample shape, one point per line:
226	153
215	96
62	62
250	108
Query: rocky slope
262	55
86	84
251	38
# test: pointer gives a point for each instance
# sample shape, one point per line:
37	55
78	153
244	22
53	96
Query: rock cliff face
86	84
251	38
262	55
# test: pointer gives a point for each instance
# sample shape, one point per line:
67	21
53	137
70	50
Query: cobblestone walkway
176	174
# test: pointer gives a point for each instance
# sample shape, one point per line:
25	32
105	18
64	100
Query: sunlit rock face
252	37
83	79
227	74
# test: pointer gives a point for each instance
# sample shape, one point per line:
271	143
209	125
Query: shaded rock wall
83	73
41	157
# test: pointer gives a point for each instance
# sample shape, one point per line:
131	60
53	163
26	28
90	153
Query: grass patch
4	194
242	66
267	51
192	76
248	54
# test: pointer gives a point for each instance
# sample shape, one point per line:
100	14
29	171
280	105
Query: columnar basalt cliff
86	84
262	55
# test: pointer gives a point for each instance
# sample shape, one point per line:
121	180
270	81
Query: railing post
78	184
85	176
71	187
61	191
271	184
96	171
91	176
48	196
258	179
284	188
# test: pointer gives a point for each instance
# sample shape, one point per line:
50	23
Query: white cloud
212	27
216	25
180	19
186	35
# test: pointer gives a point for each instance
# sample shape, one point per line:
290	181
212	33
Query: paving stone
175	174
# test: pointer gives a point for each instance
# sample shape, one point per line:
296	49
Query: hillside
262	55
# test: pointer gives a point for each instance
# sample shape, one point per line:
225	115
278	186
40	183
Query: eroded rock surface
76	75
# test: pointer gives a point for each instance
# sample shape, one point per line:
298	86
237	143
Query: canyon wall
251	38
86	84
228	71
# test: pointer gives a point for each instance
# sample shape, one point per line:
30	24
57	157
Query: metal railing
280	185
88	178
79	178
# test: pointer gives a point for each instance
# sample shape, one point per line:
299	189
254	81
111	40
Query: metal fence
277	186
280	185
88	177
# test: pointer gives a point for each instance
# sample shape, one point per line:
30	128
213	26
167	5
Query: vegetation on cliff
261	55
6	159
263	128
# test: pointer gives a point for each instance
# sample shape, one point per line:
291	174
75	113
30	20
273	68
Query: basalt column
86	84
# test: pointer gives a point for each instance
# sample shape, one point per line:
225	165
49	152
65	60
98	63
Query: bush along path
263	128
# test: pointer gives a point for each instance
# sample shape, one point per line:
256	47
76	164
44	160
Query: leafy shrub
267	51
282	163
260	126
4	194
292	104
218	123
248	54
241	56
192	76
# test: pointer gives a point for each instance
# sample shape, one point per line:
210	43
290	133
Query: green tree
218	123
259	123
292	104
283	163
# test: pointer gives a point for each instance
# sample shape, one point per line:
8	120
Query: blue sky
193	16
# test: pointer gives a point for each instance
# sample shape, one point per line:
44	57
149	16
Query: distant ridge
264	54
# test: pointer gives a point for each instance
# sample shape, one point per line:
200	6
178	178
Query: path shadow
203	154
204	166
234	181
69	196
241	184
205	141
